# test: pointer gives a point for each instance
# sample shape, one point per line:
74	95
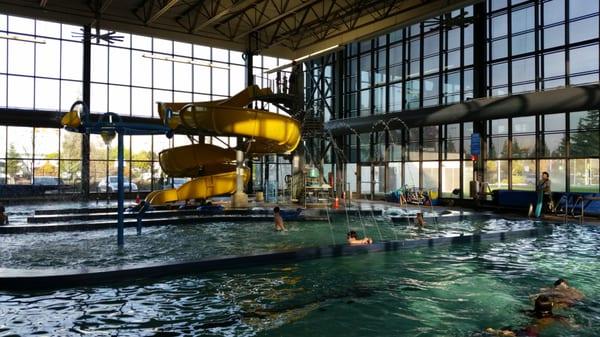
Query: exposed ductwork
281	28
551	101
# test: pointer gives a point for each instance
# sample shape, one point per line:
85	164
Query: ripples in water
185	242
453	291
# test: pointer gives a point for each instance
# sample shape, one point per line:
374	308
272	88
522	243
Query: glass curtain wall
41	75
537	45
566	146
422	65
127	77
531	46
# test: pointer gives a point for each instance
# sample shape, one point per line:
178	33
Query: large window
584	175
418	66
127	77
530	46
39	76
516	63
566	146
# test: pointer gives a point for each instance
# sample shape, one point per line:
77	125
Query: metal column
85	137
480	79
121	192
338	142
249	64
479	52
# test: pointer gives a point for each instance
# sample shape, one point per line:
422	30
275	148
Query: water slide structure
213	169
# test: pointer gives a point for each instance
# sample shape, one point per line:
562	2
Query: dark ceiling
283	28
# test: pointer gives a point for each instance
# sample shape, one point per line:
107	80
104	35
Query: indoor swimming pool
187	242
445	291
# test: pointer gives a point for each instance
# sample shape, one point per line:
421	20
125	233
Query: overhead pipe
529	104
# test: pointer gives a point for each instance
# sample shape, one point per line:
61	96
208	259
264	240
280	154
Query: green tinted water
185	242
453	291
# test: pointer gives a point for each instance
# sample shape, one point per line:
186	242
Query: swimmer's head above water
543	306
351	234
561	283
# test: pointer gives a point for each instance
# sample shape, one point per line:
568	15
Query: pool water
452	291
186	242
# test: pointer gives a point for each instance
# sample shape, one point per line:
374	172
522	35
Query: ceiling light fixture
22	38
306	57
183	60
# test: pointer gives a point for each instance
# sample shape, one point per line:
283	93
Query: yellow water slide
213	168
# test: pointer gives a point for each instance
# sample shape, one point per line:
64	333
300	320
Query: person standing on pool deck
278	219
544	185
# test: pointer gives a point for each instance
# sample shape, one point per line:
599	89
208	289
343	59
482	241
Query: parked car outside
47	180
50	184
177	182
112	185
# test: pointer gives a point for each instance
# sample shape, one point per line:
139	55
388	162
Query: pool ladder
580	201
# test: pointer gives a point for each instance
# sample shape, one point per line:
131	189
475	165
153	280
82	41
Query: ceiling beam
293	38
98	10
161	11
105	5
407	13
191	9
316	26
239	6
277	18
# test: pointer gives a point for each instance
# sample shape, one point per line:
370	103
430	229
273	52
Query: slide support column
240	199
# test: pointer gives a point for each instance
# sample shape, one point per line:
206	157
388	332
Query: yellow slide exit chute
198	188
213	168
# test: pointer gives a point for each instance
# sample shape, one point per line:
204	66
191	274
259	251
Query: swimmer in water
419	220
561	294
278	220
544	318
353	240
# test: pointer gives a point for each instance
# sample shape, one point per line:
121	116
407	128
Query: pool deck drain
23	279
